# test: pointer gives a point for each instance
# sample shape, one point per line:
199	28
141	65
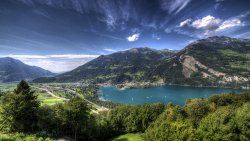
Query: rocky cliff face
215	61
191	65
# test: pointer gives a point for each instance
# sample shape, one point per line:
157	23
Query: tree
197	109
1	93
19	109
219	125
76	114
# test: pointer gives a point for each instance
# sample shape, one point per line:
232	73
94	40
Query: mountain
215	61
14	70
119	67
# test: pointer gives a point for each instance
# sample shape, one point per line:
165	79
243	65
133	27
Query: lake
163	94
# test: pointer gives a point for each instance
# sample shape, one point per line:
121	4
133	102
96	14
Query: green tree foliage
219	125
227	123
242	118
76	114
19	109
70	119
170	125
196	109
127	119
23	137
229	99
224	117
1	93
47	120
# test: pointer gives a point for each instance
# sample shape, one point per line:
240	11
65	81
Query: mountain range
12	70
119	67
214	61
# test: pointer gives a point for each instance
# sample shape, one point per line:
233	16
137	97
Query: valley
217	61
124	70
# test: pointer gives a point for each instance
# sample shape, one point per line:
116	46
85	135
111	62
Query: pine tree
19	110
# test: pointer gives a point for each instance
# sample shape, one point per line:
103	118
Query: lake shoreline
135	85
176	94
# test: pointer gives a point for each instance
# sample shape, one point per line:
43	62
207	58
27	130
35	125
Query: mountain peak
141	49
222	39
14	70
10	60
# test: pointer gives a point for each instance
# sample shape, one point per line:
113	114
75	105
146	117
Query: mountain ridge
12	70
214	61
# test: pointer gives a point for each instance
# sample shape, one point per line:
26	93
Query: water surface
163	94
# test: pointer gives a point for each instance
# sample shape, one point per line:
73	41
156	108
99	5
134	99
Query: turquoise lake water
162	94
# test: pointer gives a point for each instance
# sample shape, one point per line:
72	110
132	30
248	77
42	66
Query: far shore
132	85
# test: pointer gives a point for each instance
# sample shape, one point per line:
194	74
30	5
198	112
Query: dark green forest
220	117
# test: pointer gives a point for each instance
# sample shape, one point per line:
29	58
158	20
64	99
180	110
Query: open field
47	99
7	87
128	137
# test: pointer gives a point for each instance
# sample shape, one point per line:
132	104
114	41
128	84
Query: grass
230	53
7	87
240	65
46	99
237	64
51	101
128	137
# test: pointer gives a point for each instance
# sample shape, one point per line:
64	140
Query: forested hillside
220	117
214	61
119	67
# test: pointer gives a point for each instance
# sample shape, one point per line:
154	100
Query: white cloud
54	63
230	24
155	36
185	22
109	50
210	25
73	56
174	6
133	37
208	22
168	30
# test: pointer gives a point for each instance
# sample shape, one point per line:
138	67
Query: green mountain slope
215	61
14	70
124	66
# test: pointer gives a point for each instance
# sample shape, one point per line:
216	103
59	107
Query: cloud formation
109	50
155	36
174	6
133	37
208	22
230	24
210	25
185	22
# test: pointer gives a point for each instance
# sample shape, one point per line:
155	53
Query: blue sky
60	35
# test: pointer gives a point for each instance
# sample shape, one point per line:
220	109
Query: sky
60	35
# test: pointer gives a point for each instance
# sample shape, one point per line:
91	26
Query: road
99	108
93	104
53	95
